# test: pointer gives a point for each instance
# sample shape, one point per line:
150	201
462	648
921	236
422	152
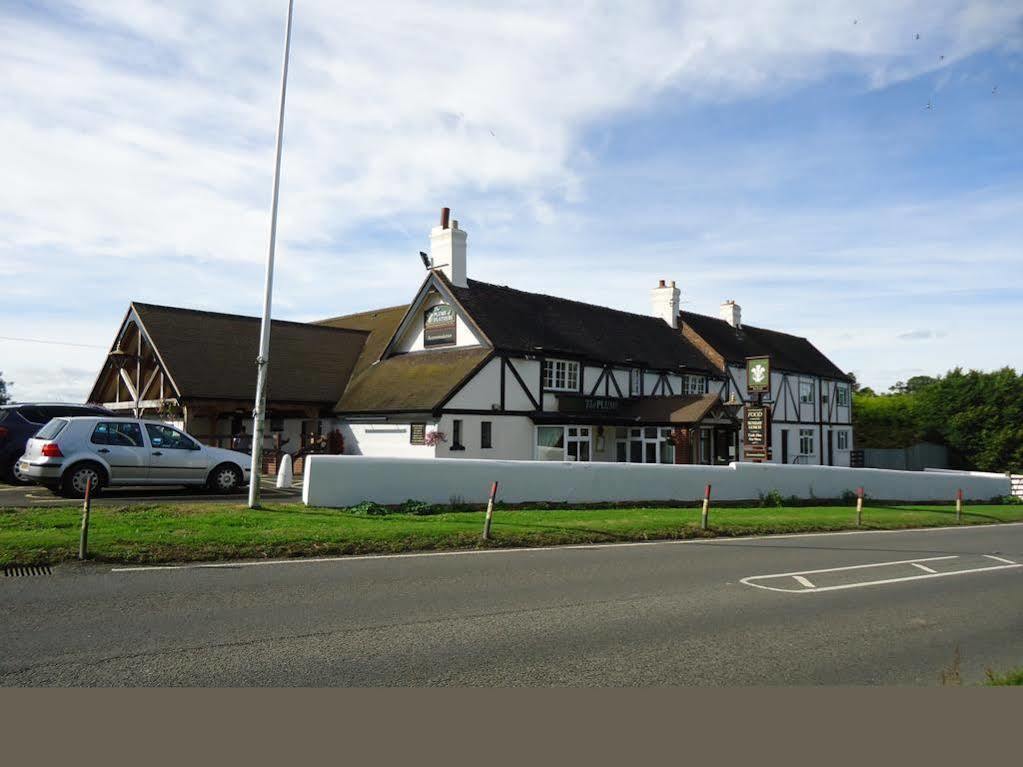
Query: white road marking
925	568
804	581
1000	559
750	581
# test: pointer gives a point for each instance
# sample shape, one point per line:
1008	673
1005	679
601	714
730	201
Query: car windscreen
52	429
3	413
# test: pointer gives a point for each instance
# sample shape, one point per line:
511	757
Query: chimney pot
445	213
660	284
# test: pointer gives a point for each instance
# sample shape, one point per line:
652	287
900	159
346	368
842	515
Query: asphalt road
728	612
24	496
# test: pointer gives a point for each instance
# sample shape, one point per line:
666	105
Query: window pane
636	451
52	429
667	452
166	437
621	452
550	443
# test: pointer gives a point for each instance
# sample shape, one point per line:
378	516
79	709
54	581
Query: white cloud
139	134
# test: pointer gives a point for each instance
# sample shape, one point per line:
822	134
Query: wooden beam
128	385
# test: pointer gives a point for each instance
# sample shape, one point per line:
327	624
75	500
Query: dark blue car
19	423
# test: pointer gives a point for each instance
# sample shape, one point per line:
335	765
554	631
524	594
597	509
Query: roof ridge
567	300
743	326
211	313
360	314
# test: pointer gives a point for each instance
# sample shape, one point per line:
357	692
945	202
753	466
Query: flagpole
263	360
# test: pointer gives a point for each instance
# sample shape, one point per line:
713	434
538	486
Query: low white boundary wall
346	480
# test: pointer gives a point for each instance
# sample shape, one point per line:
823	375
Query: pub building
469	369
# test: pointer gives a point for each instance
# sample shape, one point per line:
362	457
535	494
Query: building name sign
439	326
580	404
417	434
758	375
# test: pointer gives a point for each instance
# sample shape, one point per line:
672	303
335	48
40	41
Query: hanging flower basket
435	437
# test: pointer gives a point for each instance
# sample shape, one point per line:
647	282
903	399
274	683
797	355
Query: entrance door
784	445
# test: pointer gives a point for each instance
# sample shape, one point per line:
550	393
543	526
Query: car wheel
225	479
75	479
16	475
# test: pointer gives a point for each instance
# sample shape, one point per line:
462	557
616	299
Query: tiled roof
212	355
515	320
791	353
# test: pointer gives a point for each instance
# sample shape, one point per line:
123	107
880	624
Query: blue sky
775	153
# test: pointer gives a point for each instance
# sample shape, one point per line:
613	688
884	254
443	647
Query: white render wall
338	481
383	438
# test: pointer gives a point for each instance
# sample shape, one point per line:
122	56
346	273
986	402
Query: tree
4	396
977	415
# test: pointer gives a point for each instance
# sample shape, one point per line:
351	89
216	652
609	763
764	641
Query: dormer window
635	382
560	375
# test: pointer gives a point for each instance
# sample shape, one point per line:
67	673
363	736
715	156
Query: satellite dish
426	260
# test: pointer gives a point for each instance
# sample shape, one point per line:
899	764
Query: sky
845	171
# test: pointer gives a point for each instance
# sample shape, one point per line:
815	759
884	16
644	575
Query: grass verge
194	532
1013	678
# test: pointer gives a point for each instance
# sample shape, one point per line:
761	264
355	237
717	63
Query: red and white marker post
706	508
490	512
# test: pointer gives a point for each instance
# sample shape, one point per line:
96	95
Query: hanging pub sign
757	431
439	326
758	375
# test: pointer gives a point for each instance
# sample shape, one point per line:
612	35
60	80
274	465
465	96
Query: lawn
167	533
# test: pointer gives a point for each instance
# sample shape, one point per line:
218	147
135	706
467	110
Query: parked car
69	452
18	423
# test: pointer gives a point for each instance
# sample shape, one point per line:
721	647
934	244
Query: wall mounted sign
417	434
758	375
439	326
568	403
757	430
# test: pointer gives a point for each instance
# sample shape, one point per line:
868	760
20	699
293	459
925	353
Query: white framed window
635	382
563	443
843	440
694	384
843	395
560	375
806	390
806	442
649	444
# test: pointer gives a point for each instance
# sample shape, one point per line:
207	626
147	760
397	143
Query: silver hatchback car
68	453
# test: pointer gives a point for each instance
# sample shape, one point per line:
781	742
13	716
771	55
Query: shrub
368	509
421	508
772	498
